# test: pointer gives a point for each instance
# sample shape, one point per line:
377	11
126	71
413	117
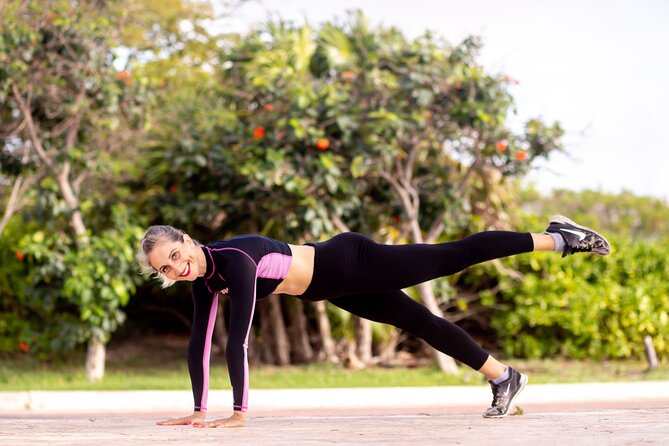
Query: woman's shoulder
237	241
255	246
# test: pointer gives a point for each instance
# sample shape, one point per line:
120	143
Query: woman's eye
165	269
175	256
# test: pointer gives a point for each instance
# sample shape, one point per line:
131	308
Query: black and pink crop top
246	267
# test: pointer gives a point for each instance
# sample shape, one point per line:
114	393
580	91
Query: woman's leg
398	309
374	267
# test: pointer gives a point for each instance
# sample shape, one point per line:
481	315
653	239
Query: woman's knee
420	321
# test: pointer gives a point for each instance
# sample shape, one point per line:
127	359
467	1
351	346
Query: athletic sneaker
504	394
578	238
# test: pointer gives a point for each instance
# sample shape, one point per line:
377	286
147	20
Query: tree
302	131
636	217
70	112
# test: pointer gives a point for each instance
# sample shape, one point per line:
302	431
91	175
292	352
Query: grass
159	364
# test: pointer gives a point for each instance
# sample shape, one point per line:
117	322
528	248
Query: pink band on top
274	266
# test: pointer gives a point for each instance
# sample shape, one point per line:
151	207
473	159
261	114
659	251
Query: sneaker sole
564	220
512	403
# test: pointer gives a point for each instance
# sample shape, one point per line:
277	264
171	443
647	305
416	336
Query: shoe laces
496	391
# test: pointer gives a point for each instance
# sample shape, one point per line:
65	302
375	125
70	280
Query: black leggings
366	278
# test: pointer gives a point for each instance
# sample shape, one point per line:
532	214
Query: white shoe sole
512	403
564	220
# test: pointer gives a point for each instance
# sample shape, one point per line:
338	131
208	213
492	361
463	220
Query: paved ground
570	414
636	426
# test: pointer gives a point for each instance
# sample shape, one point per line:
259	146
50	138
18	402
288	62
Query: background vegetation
121	114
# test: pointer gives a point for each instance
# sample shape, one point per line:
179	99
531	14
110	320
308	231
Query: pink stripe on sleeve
207	351
245	393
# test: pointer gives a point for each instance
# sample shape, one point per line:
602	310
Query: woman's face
176	260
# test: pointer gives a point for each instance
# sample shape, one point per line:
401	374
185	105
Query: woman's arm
199	350
241	277
199	345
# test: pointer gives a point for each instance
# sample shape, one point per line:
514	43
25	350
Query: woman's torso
281	268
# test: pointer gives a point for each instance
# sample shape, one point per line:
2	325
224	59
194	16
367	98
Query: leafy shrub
66	294
587	306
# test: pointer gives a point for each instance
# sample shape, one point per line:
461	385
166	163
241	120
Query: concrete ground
575	414
633	426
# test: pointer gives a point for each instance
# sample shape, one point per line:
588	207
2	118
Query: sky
600	68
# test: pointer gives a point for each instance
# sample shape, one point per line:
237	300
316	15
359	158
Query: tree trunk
388	351
95	356
410	199
21	185
363	335
96	353
445	362
76	219
11	203
328	351
279	330
95	360
302	351
352	355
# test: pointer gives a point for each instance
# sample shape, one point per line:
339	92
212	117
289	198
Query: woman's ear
188	240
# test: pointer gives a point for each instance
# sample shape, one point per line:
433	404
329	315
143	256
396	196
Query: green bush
587	306
13	327
55	295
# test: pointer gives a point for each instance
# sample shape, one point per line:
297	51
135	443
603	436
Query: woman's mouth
186	271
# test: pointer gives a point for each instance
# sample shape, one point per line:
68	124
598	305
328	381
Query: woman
352	272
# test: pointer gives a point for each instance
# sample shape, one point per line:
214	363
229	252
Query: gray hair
152	237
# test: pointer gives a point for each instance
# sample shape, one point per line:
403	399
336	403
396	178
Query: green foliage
139	367
283	132
13	327
77	292
636	217
586	306
68	114
298	127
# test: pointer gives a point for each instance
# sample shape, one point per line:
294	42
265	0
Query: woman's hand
197	417
238	419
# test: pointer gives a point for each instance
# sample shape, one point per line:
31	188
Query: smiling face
176	260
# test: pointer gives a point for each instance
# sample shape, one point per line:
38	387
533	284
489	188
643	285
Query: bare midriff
300	272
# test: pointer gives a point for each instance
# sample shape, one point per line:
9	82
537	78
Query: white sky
600	68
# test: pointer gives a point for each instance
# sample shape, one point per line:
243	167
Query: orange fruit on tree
259	132
323	144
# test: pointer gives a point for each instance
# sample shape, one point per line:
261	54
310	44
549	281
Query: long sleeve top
246	267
